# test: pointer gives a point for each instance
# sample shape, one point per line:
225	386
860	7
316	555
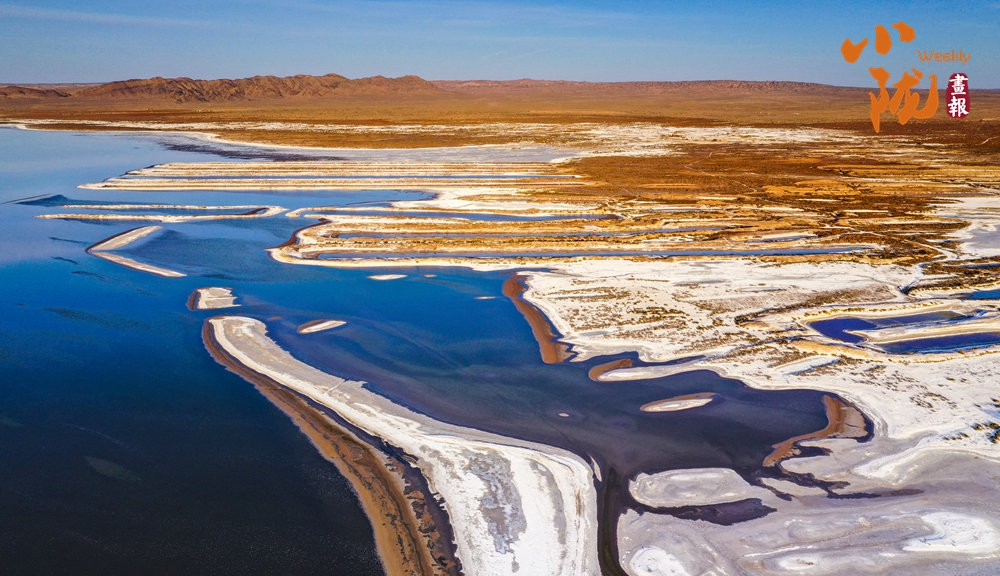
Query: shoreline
552	350
130	263
398	531
843	421
122	240
512	504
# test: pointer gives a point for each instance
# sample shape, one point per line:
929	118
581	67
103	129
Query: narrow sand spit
130	263
408	542
843	421
124	239
249	212
552	351
319	326
515	507
596	372
212	298
643	372
686	402
385	277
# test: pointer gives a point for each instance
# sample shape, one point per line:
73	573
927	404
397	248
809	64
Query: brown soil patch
553	352
596	372
844	421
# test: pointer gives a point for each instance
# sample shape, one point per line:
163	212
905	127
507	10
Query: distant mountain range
302	86
183	90
23	93
694	87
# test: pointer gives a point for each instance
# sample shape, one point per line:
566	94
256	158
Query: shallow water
201	474
943	343
837	328
134	451
985	295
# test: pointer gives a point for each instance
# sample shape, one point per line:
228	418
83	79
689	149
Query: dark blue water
837	328
943	343
127	449
985	295
104	365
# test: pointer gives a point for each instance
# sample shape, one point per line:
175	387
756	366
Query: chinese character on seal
957	95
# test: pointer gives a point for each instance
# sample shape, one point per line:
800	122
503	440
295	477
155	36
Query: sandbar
515	507
130	263
124	239
686	402
212	298
319	326
692	487
250	212
596	372
407	541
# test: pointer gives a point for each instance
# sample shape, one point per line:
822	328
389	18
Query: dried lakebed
888	470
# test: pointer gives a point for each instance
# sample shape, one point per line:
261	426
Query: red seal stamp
957	95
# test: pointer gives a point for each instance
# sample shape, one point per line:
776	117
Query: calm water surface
839	328
127	449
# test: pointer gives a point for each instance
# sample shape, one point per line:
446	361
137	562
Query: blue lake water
837	328
985	295
943	343
127	449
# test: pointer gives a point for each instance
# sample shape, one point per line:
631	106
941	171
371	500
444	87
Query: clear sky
102	40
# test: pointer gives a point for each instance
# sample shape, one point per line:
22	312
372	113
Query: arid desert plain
557	328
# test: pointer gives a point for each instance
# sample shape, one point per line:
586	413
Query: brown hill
21	92
183	90
529	86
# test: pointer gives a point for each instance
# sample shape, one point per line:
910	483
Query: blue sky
93	41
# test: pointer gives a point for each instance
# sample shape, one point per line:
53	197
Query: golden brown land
392	104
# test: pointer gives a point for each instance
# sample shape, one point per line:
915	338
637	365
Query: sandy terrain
515	507
213	298
124	239
692	487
